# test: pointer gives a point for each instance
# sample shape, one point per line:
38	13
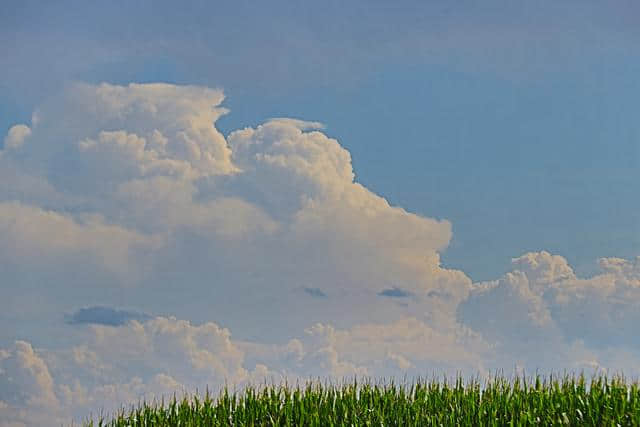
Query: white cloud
160	124
25	384
542	308
129	194
626	272
117	364
138	179
543	268
36	237
119	156
164	356
16	136
27	373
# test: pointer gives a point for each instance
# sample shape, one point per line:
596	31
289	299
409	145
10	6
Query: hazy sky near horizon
469	173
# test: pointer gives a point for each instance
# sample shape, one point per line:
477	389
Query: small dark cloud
394	292
437	294
99	315
315	292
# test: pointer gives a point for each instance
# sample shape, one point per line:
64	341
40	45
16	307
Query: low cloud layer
266	257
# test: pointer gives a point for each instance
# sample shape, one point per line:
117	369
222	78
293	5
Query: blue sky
445	188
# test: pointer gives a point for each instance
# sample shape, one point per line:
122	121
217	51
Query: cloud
129	193
163	356
48	242
315	292
25	383
542	307
125	363
137	183
99	315
394	292
16	136
299	124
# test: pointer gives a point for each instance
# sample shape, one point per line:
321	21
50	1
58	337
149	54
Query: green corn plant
498	401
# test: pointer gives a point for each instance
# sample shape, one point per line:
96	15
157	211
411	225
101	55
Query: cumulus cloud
16	136
43	241
163	356
541	311
129	194
159	357
137	183
25	383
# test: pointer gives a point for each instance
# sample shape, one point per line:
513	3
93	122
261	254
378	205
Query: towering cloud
128	196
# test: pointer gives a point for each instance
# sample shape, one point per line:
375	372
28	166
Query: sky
231	191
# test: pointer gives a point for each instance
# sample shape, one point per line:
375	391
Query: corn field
568	400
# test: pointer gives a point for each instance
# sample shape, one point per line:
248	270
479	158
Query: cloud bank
120	195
